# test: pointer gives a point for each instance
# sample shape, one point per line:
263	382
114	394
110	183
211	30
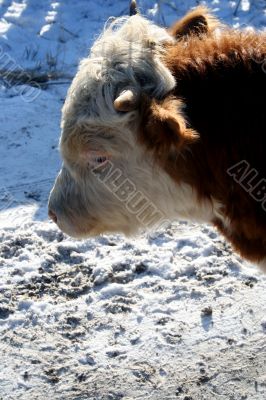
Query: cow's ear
198	22
164	128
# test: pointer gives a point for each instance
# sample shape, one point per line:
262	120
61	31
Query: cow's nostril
52	216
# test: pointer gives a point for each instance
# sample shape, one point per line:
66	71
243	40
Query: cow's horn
127	100
133	9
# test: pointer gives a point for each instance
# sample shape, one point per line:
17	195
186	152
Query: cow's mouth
76	231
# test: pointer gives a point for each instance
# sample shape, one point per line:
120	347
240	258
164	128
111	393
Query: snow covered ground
175	315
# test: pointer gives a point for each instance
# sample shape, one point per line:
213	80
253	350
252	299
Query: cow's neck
224	96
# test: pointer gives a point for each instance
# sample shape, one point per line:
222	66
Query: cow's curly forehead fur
126	54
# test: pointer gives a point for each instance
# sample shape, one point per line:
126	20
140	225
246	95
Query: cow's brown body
222	83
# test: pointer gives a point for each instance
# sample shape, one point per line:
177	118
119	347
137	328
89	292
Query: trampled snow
175	315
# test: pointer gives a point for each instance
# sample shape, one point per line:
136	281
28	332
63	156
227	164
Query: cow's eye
100	160
94	158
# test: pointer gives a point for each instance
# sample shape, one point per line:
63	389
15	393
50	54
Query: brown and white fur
171	111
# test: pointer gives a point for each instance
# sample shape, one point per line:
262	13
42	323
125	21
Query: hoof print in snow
51	376
206	318
141	268
34	195
207	312
5	312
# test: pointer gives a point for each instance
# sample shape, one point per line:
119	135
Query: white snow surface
175	315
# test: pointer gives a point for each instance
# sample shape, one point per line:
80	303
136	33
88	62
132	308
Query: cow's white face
109	181
123	193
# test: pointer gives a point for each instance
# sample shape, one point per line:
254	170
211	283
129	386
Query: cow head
109	180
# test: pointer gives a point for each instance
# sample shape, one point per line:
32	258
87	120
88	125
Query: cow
162	124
